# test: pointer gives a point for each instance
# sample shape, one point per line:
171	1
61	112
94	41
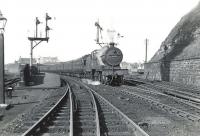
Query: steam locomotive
101	65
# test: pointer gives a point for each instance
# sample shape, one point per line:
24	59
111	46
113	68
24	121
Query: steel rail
137	130
170	89
41	121
71	129
179	95
11	81
98	132
187	102
179	85
149	89
174	92
164	106
96	111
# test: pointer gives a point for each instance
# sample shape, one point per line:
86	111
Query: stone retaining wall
185	71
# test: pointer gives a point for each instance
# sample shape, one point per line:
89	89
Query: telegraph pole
146	44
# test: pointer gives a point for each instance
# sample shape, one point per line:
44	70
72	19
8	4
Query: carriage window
84	62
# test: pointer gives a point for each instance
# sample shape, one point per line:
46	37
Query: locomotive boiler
104	65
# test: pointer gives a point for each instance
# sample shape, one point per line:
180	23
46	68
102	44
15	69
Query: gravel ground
24	102
158	122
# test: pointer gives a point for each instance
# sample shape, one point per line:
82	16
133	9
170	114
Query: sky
73	31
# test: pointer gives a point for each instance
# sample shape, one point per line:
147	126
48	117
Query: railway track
155	93
86	121
178	86
83	112
167	89
182	97
177	92
52	119
112	122
175	105
11	81
146	111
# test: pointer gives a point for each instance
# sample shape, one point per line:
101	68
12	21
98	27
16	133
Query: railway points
88	114
109	116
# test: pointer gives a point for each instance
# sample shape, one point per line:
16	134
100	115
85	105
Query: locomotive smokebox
112	56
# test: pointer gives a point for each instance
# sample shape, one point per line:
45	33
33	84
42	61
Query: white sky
73	27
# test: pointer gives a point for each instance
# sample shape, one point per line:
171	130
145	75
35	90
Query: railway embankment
178	58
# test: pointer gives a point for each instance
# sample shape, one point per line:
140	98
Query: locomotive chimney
112	44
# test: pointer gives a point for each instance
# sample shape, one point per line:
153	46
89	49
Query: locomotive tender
102	65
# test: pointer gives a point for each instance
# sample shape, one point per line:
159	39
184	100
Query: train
100	65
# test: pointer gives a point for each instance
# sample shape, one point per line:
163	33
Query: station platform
50	81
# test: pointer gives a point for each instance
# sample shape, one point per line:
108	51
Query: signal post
37	39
